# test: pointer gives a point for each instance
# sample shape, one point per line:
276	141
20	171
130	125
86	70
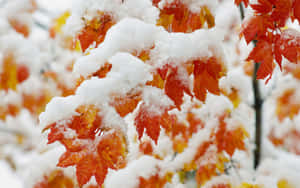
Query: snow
189	153
7	177
126	36
141	9
134	31
193	5
144	167
59	108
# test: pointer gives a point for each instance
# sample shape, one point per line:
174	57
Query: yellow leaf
283	183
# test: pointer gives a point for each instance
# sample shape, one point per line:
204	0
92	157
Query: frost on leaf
126	104
286	105
176	17
91	148
95	30
149	121
176	85
266	26
153	181
230	140
288	45
56	179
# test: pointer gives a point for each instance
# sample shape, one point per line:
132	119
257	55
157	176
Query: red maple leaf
230	140
296	10
263	53
237	2
262	6
94	159
256	27
146	119
206	77
150	118
89	147
281	12
95	30
176	84
288	45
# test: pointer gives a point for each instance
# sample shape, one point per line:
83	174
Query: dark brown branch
257	107
258	114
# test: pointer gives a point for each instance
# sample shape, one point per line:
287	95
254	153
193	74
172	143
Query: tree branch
257	106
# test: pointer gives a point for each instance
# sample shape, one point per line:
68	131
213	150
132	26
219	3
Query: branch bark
257	107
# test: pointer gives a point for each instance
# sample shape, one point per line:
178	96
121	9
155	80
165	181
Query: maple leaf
206	77
288	45
126	104
146	147
296	10
56	179
230	140
286	105
176	17
150	118
262	6
91	149
283	183
36	103
248	185
195	123
146	119
94	159
176	84
58	23
95	30
263	53
20	27
246	2
155	181
223	185
157	81
22	73
102	72
8	76
281	11
205	173
155	2
256	27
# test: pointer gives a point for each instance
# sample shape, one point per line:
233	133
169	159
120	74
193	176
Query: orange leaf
256	27
56	179
146	119
126	104
154	181
95	30
175	86
296	10
22	73
206	77
205	173
262	53
20	27
230	140
262	6
246	2
289	45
